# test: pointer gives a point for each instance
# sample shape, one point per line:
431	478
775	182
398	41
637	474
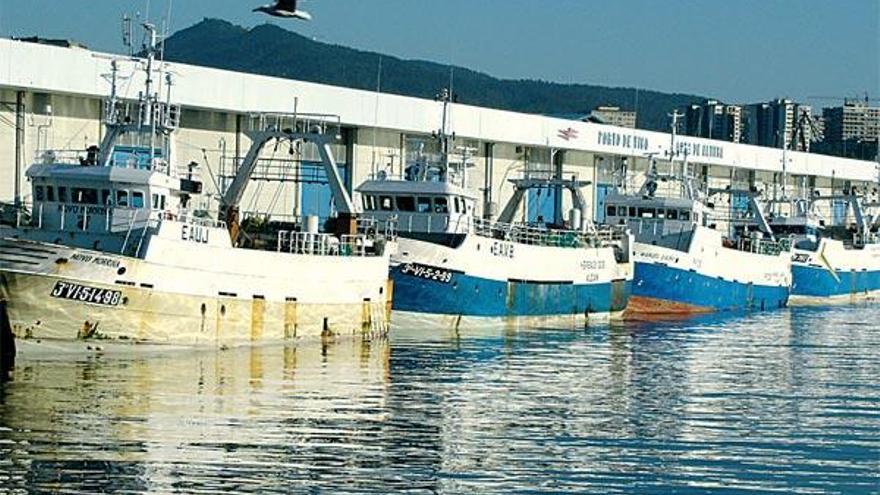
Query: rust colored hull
649	308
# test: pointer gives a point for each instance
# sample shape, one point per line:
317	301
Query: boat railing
322	244
83	218
81	158
103	219
192	219
762	246
596	236
61	156
373	227
320	123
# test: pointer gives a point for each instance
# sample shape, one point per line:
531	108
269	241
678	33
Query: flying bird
286	9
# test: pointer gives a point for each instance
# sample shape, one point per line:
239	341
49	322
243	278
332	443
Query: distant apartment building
818	129
613	116
852	130
780	123
714	120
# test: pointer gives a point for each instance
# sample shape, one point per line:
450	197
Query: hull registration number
427	272
86	294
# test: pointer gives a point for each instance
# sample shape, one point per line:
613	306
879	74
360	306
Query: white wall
76	71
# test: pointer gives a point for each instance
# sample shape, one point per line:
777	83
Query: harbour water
785	401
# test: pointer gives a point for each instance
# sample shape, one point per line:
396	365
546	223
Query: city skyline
628	44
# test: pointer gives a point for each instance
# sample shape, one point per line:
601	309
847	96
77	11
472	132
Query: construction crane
867	99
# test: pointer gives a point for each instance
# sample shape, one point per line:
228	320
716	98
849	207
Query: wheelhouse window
62	194
50	193
406	203
646	212
441	205
423	204
672	214
386	203
39	195
137	199
85	196
632	211
685	215
121	198
611	211
105	196
154	201
621	211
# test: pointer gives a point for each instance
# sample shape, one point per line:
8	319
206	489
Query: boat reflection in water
779	401
158	421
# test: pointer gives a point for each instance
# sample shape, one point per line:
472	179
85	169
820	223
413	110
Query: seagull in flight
286	9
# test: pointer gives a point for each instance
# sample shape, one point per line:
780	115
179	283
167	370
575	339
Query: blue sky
739	51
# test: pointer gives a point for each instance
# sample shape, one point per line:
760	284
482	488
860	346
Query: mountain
272	51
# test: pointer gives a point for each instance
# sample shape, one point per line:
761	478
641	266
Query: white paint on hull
707	256
199	296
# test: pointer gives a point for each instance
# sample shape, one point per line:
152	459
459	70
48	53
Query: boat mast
150	115
443	136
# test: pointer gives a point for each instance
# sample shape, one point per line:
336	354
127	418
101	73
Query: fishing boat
123	245
829	263
452	266
683	263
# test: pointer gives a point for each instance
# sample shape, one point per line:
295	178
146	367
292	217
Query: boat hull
707	277
60	293
662	289
835	274
482	279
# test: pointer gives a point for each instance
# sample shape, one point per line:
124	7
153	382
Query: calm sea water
783	402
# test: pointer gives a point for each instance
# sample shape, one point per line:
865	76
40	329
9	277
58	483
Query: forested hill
273	51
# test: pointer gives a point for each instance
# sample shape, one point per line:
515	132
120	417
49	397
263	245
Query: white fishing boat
683	264
453	267
117	247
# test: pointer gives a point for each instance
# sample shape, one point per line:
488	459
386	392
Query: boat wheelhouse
123	245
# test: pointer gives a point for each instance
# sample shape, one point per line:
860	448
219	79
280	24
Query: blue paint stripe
815	281
690	287
477	296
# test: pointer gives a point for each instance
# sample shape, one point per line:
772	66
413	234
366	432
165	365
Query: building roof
51	69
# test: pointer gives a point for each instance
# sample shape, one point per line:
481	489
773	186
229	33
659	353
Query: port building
51	98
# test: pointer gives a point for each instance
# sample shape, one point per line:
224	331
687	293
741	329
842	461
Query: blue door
541	204
602	190
838	212
739	205
316	197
